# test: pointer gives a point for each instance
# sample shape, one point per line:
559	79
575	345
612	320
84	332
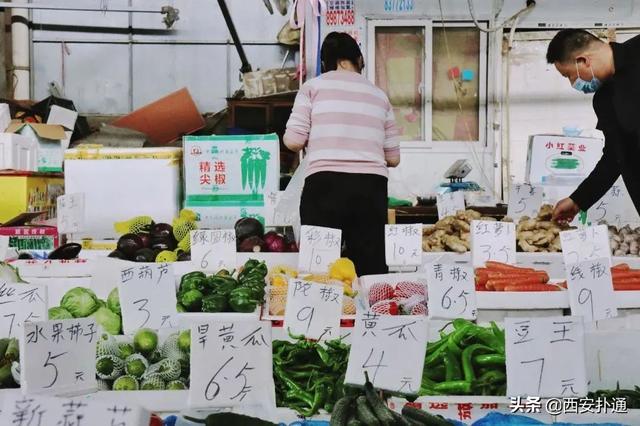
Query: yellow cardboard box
29	192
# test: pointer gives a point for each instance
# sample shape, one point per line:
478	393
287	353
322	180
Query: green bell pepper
215	302
243	299
195	282
221	284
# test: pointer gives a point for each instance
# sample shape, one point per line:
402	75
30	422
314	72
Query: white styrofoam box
221	217
5	117
18	152
62	116
527	300
74	268
155	401
611	358
121	183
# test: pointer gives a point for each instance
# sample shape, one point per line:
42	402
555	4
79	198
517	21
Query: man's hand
565	211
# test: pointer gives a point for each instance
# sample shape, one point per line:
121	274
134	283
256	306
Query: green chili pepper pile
222	292
632	396
468	361
309	376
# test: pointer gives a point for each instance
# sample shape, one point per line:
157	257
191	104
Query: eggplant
144	255
146	239
164	243
117	254
161	230
66	252
252	244
25	256
129	244
248	227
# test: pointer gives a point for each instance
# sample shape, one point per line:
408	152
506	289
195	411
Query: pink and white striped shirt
346	124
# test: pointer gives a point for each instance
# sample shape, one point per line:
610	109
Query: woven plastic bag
287	211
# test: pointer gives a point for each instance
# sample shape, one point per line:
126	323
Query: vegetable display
631	396
309	376
9	363
250	237
539	234
342	271
81	302
496	276
223	292
470	360
142	363
624	241
143	240
451	233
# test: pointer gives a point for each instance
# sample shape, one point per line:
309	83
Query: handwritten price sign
449	204
234	364
591	292
524	200
494	241
70	213
147	296
21	303
59	356
452	292
403	244
545	357
213	250
586	244
319	247
313	310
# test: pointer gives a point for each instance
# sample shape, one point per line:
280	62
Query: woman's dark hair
340	46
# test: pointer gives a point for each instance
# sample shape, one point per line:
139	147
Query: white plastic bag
287	211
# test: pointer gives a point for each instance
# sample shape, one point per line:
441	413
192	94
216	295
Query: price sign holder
524	200
375	348
319	247
495	241
591	294
452	292
586	244
212	250
70	212
59	356
147	296
403	245
545	357
450	203
313	310
234	364
17	409
20	303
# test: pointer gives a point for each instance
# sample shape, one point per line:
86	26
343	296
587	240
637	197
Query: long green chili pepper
318	401
456	387
452	367
467	354
488	338
453	348
322	353
490	360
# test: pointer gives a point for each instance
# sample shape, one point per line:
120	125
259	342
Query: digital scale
458	171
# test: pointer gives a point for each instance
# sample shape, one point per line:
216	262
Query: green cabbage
58	313
80	302
110	322
113	301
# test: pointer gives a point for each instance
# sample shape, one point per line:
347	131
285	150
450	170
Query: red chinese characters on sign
220	179
417	405
205	173
438	406
582	148
562	146
464	411
489	406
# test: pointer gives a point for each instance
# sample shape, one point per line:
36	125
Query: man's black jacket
617	105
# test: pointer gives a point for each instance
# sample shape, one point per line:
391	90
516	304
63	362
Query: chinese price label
212	250
147	296
450	203
20	303
313	310
591	294
319	247
586	244
524	200
38	410
495	241
59	356
403	244
234	364
4	247
452	292
610	208
271	200
70	213
545	357
375	348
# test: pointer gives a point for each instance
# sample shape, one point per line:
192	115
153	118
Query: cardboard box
65	118
224	217
121	183
29	192
231	171
18	152
29	237
50	139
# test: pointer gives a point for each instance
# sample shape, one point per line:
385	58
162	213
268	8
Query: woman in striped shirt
346	125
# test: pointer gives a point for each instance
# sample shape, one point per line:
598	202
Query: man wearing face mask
612	72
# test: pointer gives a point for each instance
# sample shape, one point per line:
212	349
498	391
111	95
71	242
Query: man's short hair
567	43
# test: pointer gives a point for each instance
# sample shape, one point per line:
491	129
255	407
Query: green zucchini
341	411
364	412
354	422
423	417
377	406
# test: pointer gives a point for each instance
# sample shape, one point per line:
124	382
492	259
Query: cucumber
13	350
354	422
423	417
3	346
341	411
379	408
364	412
401	421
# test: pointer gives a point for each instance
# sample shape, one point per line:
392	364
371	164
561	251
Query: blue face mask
586	86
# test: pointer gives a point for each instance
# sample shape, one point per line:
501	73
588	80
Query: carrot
621	267
503	266
621	275
480	287
562	284
499	285
532	287
626	286
482	279
542	276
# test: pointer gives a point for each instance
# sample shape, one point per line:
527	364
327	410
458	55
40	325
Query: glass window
399	58
455	91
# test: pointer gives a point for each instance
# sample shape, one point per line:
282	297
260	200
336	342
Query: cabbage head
109	321
80	302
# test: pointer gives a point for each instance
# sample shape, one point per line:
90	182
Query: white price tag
524	200
610	208
452	292
38	410
271	200
212	250
586	244
449	204
70	213
391	349
147	296
319	247
495	241
20	303
313	310
234	364
4	247
545	357
59	356
403	244
591	294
